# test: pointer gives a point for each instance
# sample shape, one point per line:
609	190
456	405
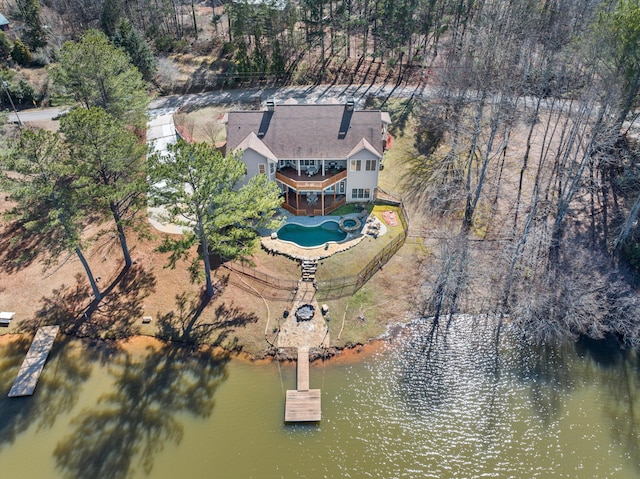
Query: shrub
21	91
40	58
5	47
21	54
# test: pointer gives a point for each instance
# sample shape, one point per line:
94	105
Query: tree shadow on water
620	376
549	373
131	423
57	391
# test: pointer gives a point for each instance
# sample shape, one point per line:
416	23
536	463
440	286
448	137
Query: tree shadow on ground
122	305
131	423
18	247
187	323
57	391
112	317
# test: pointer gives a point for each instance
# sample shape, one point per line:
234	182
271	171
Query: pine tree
106	159
45	201
198	188
131	41
36	35
96	73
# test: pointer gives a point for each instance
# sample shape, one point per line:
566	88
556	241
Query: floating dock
32	365
303	404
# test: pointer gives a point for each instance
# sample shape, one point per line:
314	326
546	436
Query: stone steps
309	268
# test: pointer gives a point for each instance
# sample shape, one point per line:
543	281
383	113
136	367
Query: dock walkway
32	365
303	404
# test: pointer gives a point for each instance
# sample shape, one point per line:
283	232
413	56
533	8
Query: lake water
443	403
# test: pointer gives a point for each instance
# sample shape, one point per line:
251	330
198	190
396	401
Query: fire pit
305	312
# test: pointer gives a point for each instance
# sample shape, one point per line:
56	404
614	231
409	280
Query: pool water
311	236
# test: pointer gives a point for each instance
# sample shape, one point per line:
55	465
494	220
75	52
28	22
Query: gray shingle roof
307	131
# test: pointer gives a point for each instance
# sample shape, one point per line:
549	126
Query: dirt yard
242	316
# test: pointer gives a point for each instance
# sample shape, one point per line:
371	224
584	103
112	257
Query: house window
262	169
272	168
360	193
356	165
307	162
370	165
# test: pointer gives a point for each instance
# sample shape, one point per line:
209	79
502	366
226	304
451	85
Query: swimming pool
312	236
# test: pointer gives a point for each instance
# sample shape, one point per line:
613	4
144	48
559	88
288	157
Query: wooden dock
303	404
303	368
32	365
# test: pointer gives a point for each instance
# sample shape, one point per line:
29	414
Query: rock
274	235
325	308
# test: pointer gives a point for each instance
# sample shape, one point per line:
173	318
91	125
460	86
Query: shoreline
138	344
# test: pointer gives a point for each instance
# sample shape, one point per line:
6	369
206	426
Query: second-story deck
310	182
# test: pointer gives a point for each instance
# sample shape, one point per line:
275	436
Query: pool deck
294	251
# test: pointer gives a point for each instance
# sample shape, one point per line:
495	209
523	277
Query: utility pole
4	84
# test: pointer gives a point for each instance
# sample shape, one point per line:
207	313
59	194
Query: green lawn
354	260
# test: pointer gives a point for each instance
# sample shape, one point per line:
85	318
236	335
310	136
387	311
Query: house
321	156
4	23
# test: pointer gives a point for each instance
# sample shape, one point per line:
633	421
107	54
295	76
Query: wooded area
526	140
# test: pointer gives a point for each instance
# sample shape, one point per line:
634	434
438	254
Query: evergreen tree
131	41
199	189
106	159
21	53
46	204
5	48
278	64
96	73
35	36
112	12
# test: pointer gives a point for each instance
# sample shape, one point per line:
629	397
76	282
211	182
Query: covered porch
311	204
312	195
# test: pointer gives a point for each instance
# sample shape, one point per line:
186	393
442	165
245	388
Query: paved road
38	114
301	94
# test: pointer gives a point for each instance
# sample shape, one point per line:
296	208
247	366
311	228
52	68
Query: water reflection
622	410
443	400
492	400
547	370
623	384
57	392
131	424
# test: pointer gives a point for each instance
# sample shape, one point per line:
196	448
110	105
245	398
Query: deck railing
295	211
334	206
310	185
